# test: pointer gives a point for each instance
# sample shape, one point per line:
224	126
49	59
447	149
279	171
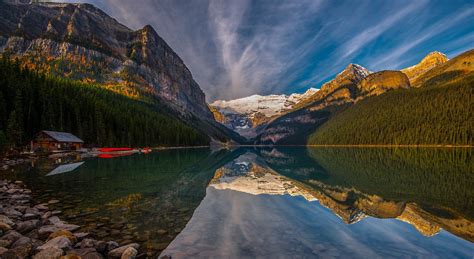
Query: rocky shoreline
30	230
8	163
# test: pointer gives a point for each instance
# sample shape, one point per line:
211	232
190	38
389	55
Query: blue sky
238	48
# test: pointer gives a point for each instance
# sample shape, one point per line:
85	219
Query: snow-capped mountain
243	115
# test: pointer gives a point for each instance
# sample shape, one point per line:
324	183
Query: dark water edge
157	198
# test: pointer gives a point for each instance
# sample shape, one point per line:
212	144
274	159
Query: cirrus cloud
239	48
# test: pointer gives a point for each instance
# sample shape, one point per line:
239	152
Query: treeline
31	102
438	113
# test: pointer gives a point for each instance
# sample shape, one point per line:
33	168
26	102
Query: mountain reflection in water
269	202
297	202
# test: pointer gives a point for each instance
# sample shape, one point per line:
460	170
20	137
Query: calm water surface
271	202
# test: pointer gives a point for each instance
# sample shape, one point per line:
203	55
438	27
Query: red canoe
113	155
115	149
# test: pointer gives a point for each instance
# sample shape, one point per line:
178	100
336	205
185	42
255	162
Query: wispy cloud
244	47
250	60
344	52
361	39
392	59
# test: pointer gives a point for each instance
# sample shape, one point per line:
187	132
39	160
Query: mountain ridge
437	112
307	115
81	42
340	93
350	75
80	25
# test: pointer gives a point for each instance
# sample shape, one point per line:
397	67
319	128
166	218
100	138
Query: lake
270	202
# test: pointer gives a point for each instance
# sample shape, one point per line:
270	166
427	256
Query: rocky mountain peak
355	72
140	59
434	56
149	30
430	61
310	91
351	75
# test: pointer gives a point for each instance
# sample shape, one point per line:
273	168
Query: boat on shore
111	152
116	149
109	155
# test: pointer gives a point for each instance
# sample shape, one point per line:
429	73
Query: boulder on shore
34	232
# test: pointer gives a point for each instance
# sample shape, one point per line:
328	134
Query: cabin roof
63	136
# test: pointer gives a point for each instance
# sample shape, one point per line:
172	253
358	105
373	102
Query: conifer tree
34	102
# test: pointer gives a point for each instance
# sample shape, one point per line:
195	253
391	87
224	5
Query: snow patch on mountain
268	105
244	114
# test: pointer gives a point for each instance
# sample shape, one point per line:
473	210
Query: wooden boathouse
55	141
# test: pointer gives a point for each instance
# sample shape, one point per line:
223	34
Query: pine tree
34	102
15	121
14	130
438	113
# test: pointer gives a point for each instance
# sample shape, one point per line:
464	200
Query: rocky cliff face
84	35
430	61
81	42
380	82
218	116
